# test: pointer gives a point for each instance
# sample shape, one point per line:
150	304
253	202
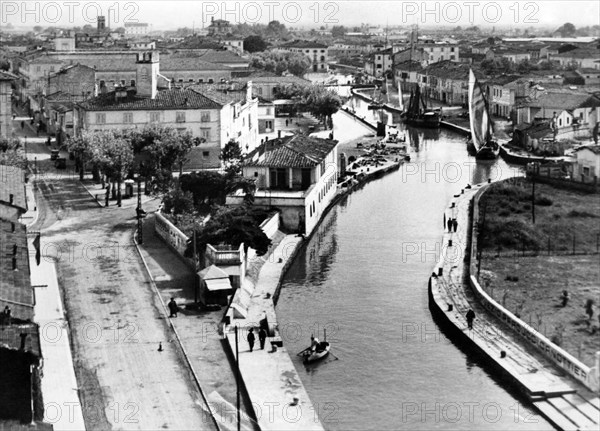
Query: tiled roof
221	93
593	148
170	64
579	53
7	76
303	44
503	79
275	79
45	60
165	99
12	182
15	284
294	152
449	70
565	101
211	56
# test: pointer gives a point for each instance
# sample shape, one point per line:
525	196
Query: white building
297	174
136	28
215	114
587	166
316	52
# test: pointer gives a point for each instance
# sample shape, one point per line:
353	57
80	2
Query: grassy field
527	266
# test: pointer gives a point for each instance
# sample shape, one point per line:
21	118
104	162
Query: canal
363	277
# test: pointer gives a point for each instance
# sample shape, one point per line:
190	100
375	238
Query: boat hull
311	356
423	122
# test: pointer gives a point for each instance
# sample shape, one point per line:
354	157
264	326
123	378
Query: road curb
164	306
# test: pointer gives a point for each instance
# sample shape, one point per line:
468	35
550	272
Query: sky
173	14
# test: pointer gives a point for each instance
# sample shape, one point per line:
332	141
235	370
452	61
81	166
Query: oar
299	353
336	358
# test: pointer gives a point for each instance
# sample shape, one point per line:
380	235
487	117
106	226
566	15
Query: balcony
224	254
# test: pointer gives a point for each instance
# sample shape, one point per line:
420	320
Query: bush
543	201
576	213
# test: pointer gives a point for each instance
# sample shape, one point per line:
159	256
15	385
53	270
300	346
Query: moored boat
482	134
417	113
320	352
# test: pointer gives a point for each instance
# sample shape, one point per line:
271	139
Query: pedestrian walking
454	224
251	338
6	316
564	298
173	308
286	122
470	317
262	337
449	225
22	124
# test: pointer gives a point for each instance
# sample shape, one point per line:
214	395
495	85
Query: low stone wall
558	356
170	234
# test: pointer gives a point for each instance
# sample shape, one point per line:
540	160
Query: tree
231	156
11	153
254	44
338	31
281	61
37	28
567	30
322	102
177	202
81	146
234	226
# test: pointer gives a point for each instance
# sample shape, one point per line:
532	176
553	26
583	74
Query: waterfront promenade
565	403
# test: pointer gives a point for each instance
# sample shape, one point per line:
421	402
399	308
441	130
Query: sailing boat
482	133
417	113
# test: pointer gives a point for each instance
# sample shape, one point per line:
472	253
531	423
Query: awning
218	284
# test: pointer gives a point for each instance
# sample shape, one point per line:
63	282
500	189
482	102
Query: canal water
363	278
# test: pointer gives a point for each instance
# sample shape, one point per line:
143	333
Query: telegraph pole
533	197
237	378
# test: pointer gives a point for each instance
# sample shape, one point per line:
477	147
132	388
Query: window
205	154
100	118
322	50
123	82
210	81
38	68
260	91
128	117
205	117
154	117
200	81
191	80
133	82
181	80
268	111
51	68
205	133
180	117
452	49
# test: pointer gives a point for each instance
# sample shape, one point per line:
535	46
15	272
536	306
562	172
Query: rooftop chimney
11	199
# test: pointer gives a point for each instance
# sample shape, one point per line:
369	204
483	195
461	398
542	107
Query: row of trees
152	152
281	61
316	99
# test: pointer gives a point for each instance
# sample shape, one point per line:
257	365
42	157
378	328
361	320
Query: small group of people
262	338
452	224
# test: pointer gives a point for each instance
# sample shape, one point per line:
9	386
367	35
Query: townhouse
213	113
296	174
316	52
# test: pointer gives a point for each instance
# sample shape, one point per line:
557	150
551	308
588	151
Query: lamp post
139	211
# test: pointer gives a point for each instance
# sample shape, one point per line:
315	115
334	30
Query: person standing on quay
470	317
262	337
454	224
449	224
173	308
251	338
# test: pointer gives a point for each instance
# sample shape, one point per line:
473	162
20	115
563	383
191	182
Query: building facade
316	52
296	174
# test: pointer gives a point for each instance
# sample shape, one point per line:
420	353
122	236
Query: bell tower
147	74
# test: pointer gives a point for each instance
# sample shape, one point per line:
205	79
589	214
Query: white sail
400	100
478	115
